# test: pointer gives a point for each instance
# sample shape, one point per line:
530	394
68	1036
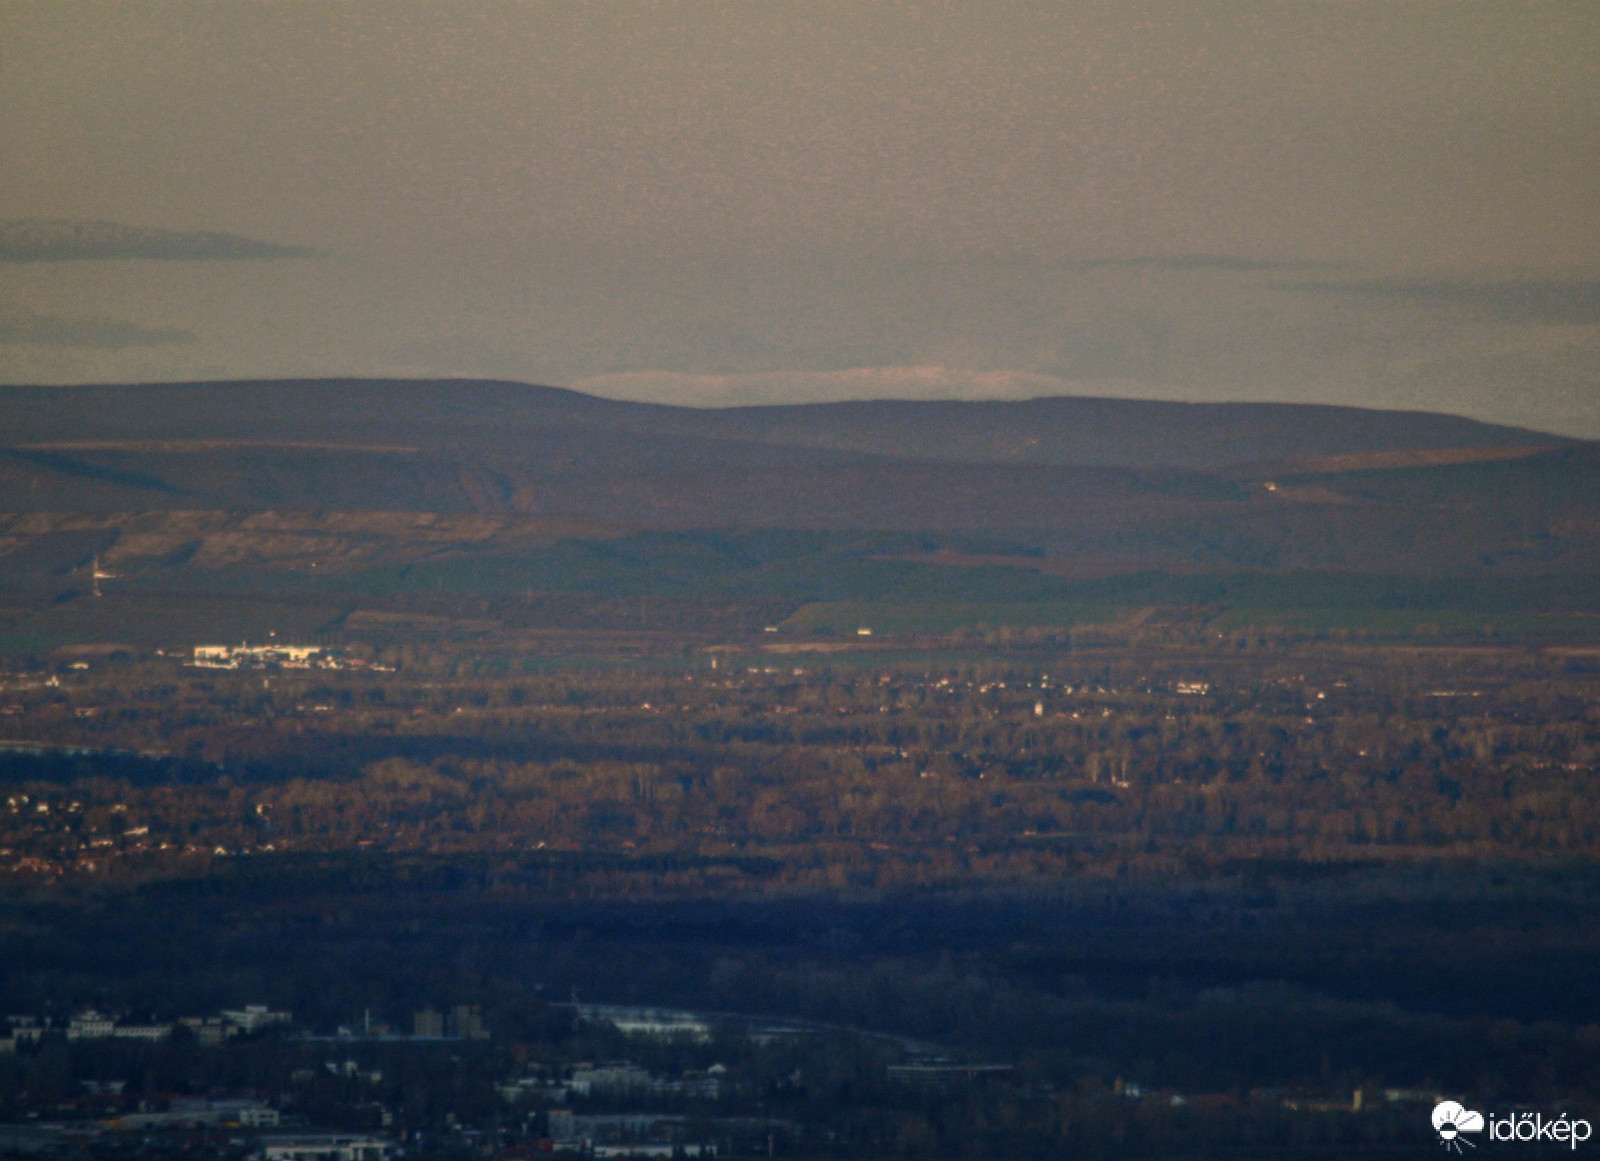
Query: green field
1413	623
805	566
900	617
896	618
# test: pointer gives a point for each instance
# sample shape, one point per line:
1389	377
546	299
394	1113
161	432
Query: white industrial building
665	1022
244	656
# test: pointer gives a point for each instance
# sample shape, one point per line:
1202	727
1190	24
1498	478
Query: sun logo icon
1450	1120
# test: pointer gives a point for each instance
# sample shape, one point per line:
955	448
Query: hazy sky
1389	204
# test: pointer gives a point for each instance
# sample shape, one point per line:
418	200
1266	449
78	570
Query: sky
1380	204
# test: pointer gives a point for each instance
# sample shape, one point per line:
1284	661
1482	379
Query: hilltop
486	416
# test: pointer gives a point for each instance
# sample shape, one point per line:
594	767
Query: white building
90	1025
244	656
24	1030
209	1031
592	1078
254	1017
142	1031
324	1147
647	1021
243	1111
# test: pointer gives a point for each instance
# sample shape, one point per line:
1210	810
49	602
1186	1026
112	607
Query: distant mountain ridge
480	415
1141	484
1098	432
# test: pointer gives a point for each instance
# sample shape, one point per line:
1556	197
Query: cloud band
61	241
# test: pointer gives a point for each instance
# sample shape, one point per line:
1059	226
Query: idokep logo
1534	1127
1450	1120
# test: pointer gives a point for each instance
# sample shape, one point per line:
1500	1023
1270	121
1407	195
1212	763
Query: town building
141	1031
209	1031
324	1147
24	1030
625	1135
243	1112
90	1025
466	1021
618	1077
274	656
662	1022
254	1017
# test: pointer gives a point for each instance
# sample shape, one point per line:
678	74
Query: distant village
605	1108
464	1022
537	1095
588	1108
276	656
